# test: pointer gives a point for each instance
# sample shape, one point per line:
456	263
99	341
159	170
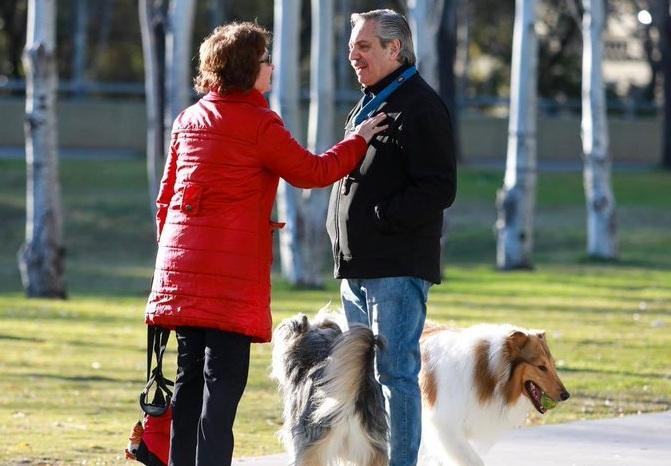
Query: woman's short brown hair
229	58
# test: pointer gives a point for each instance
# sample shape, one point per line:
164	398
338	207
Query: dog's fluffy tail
348	376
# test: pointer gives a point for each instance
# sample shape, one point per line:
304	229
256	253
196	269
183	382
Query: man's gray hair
390	25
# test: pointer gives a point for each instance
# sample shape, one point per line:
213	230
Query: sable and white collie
477	383
333	407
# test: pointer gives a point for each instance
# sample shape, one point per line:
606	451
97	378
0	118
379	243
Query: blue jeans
394	307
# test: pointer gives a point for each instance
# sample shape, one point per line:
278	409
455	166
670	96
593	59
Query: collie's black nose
564	395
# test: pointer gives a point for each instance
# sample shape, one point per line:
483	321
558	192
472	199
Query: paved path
627	441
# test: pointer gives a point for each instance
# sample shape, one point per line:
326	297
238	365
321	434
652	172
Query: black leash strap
157	341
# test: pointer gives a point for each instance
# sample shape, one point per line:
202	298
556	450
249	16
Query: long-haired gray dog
333	407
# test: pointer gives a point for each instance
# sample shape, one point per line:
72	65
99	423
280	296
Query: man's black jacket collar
384	82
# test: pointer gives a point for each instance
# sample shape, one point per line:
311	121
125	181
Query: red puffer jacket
214	205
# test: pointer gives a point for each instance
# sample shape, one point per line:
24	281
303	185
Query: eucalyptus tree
661	15
41	257
217	12
12	40
515	200
178	55
314	202
425	17
105	20
167	29
600	201
284	100
665	39
343	68
433	25
448	49
80	47
153	19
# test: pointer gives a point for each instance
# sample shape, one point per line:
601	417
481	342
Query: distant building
625	63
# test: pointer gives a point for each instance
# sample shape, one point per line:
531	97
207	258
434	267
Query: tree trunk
13	30
601	223
342	59
178	54
41	257
167	50
425	19
217	12
284	100
515	201
447	55
80	47
314	202
463	35
153	17
662	17
102	44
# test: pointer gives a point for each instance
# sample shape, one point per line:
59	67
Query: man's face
371	61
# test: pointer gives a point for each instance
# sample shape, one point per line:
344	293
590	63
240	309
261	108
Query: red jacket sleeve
284	156
166	190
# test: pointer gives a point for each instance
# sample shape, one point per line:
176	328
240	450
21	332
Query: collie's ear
297	325
305	323
516	341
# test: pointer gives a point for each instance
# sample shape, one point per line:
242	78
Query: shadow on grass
640	243
626	263
81	378
651	399
15	338
580	370
611	344
115	345
557	308
587	276
74	317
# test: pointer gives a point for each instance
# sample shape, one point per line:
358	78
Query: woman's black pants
212	369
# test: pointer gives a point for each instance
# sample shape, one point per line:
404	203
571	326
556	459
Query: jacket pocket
191	199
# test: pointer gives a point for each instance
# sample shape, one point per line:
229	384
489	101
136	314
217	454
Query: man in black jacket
385	218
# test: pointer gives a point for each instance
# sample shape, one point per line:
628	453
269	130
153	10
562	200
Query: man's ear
394	48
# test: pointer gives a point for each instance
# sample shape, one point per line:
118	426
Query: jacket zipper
336	243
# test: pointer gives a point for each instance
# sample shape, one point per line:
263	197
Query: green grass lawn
70	371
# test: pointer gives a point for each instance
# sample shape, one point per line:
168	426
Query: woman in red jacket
212	277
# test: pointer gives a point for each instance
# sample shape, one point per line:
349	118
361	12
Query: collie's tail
349	376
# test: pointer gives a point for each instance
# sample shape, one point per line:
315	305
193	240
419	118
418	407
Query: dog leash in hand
368	109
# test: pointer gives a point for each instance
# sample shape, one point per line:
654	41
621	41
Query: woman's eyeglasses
268	60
